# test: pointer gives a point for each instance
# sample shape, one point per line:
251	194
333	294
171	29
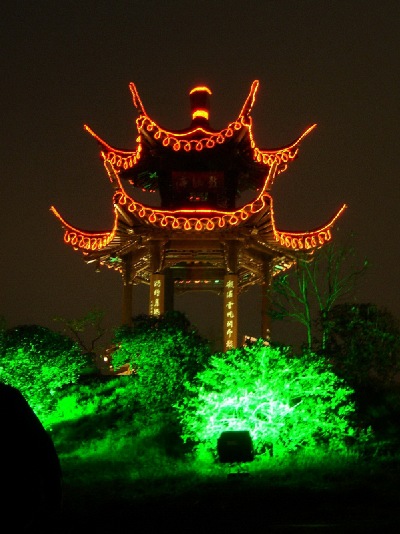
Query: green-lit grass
118	462
134	479
145	457
97	422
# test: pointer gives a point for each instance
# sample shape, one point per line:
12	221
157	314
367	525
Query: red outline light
201	88
184	141
200	113
198	138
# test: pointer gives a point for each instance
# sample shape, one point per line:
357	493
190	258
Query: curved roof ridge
310	239
249	102
289	146
83	239
137	102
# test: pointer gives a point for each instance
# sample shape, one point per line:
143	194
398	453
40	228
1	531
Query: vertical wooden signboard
157	293
230	311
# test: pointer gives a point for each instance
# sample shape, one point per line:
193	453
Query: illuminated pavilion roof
199	147
192	226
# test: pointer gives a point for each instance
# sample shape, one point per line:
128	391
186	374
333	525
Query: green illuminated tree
163	352
311	288
39	362
286	402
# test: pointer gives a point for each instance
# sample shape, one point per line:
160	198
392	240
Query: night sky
66	63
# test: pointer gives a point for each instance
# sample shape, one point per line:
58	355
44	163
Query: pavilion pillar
266	301
161	293
161	297
127	297
231	309
157	291
169	291
127	291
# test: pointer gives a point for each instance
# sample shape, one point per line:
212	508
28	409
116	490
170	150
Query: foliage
100	417
39	362
106	397
88	415
363	344
286	402
80	329
100	435
314	286
163	352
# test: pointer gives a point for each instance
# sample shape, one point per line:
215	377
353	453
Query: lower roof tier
151	239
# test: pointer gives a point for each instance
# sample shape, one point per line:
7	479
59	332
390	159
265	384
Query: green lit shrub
99	417
164	353
98	396
39	362
93	412
287	403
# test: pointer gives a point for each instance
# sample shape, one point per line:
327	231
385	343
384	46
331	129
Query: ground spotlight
235	446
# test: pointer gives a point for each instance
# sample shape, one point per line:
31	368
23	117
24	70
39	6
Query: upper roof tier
198	166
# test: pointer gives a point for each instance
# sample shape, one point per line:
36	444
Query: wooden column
157	280
161	293
169	290
161	298
127	291
127	297
230	323
266	302
157	294
231	309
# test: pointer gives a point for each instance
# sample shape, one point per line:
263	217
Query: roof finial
200	103
247	106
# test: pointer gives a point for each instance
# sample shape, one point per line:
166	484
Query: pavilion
209	224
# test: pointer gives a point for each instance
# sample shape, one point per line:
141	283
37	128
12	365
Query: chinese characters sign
197	181
157	288
230	311
197	186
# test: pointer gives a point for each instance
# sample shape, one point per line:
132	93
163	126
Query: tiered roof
225	162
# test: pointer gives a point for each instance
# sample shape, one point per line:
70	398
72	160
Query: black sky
66	63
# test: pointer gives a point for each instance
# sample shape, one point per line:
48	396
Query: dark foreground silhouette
30	469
